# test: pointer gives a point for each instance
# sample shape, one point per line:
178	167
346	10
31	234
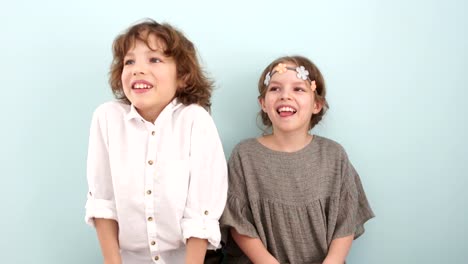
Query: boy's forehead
150	40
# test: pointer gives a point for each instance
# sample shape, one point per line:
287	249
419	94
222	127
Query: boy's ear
261	102
182	81
317	106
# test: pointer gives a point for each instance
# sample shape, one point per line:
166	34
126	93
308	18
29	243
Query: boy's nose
135	73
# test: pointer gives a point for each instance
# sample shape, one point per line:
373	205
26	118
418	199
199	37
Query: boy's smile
149	77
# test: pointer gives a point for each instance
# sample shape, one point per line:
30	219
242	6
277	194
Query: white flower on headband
267	79
302	73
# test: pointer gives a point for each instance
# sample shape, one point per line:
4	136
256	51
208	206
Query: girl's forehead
287	76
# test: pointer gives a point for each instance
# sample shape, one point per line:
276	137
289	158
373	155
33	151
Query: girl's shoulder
318	143
328	143
330	148
246	145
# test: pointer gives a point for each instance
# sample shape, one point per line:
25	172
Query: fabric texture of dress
296	203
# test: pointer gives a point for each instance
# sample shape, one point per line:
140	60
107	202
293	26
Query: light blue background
396	73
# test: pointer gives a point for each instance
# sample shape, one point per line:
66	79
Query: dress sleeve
353	209
207	189
100	202
237	213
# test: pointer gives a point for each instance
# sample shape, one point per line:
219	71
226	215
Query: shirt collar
171	107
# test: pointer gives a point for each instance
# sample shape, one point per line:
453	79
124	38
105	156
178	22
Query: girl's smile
289	102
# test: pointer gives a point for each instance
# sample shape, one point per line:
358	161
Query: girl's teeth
141	86
286	109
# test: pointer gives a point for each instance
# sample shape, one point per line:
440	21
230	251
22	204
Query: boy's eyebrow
159	51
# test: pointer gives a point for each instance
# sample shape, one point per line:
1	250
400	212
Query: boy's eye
155	60
129	62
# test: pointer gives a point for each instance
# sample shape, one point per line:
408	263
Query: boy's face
289	102
149	78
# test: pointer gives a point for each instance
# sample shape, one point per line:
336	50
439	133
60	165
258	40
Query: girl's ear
318	104
261	102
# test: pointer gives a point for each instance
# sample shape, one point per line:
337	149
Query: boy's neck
286	142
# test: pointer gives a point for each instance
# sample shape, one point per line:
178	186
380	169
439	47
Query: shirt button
153	243
206	212
153	133
150	162
148	192
150	218
156	258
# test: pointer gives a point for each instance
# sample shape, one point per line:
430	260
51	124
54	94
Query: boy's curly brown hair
198	87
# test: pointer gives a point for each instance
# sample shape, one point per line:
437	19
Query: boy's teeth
141	86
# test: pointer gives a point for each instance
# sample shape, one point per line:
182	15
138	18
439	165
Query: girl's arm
339	249
196	249
107	232
253	248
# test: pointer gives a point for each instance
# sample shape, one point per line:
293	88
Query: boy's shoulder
112	107
193	109
193	112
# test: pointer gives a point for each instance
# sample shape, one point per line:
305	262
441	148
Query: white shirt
163	182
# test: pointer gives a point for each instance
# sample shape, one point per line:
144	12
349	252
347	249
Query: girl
293	197
156	169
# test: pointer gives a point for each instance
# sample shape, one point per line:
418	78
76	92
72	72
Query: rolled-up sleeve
100	201
208	183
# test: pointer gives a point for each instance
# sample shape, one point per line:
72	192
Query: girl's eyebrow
293	83
275	82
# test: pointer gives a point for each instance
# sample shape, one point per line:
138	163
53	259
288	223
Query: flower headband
281	68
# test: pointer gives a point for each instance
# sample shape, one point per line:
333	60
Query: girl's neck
286	142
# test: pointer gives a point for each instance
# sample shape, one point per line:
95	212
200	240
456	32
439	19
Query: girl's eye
299	89
273	89
129	62
155	60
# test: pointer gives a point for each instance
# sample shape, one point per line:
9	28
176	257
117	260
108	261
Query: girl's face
289	102
149	78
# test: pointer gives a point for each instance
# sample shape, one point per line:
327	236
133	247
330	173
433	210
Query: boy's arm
196	249
253	248
339	249
107	232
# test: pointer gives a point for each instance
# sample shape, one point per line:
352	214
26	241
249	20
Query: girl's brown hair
314	74
198	87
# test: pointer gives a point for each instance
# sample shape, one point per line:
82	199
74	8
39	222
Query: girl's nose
285	95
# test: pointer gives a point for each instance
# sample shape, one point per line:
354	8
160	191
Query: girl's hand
271	260
332	261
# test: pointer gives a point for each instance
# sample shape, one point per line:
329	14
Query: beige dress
296	203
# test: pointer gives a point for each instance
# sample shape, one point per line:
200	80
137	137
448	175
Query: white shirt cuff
98	208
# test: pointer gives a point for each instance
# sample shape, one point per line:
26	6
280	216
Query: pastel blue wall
396	73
